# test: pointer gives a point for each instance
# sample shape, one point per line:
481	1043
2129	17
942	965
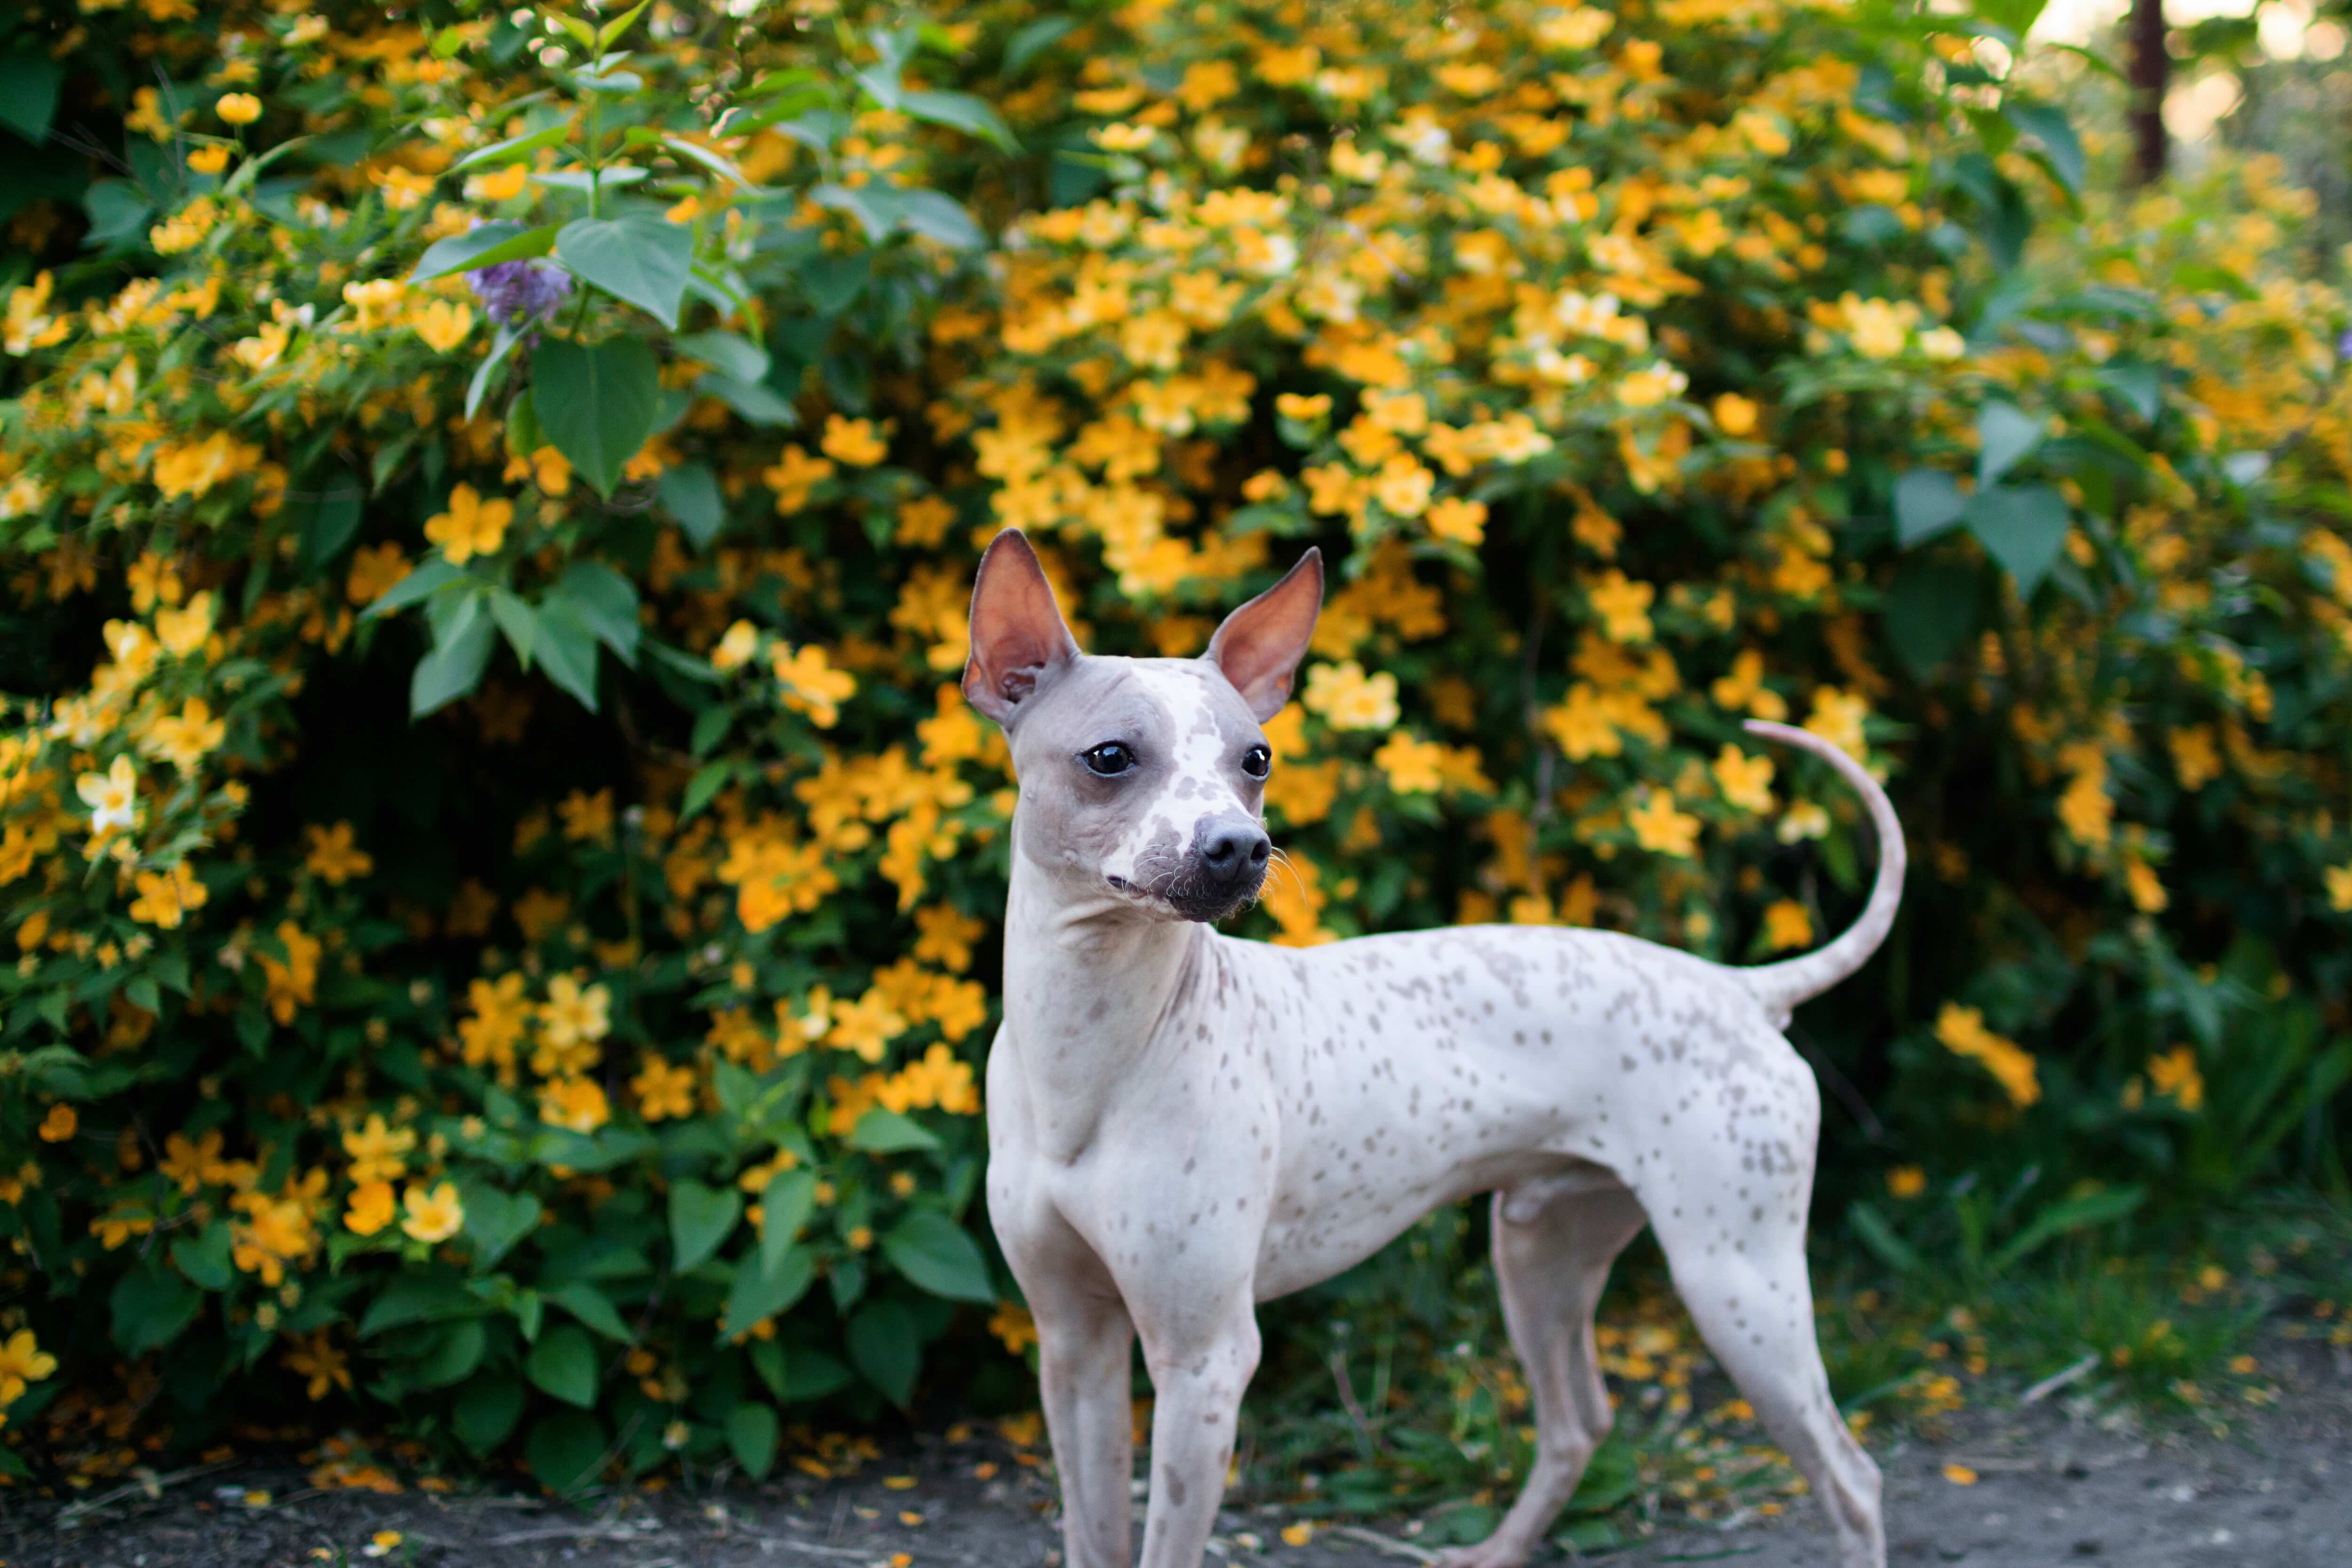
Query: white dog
1181	1125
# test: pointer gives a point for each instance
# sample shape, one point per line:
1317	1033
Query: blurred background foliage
503	891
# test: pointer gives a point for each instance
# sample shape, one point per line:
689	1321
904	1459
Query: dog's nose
1232	850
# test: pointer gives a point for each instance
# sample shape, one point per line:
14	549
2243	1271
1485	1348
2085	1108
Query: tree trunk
2151	69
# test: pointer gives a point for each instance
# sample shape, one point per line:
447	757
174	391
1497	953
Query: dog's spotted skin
1182	1125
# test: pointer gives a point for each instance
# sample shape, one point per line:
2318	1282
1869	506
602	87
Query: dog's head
1143	778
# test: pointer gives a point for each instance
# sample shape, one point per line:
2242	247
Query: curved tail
1780	987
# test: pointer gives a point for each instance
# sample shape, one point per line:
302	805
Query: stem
2151	68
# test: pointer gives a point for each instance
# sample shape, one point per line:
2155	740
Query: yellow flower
1652	385
186	738
443	324
794	477
371	1209
1746	782
866	1026
574	1013
1837	718
1907	1182
165	898
1014	1326
1458	521
112	797
1414	766
1787	925
500	184
2195	762
852	441
2146	888
378	1149
2174	1073
471	526
1660	828
1962	1032
434	1216
736	649
663	1090
577	1103
59	1124
811	685
238	107
1735	416
1582	725
2340	887
332	854
320	1363
1878	328
183	631
1402	486
22	1362
1347	698
1624	606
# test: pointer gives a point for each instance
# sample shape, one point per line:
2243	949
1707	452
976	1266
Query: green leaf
2005	434
204	1258
1931	612
566	1450
516	619
2024	527
689	492
457	1351
28	95
487	1410
455	667
962	112
755	401
152	1308
329	519
2136	381
563	1364
751	1433
1028	42
885	1347
513	147
419	1299
700	1220
884	212
761	1292
592	1307
606	602
767	1361
566	650
882	1131
2060	1218
612	31
705	784
483	244
2048	123
640	258
501	349
935	1253
496	1220
117	212
784	1208
727	352
597	406
705	158
1880	1237
431	576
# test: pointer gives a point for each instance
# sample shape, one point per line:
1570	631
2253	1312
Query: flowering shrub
502	880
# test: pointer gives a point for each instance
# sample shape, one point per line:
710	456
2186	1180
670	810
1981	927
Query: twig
1348	1401
2058	1380
842	1552
1389	1544
153	1486
571	1532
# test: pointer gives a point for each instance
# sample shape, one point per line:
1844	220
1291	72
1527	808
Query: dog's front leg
1085	1349
1197	1380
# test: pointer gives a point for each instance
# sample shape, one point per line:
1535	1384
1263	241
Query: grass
1399	1394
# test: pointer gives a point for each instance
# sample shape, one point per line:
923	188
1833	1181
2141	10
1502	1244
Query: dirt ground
2056	1484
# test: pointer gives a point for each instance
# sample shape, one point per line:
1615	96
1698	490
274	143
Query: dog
1182	1124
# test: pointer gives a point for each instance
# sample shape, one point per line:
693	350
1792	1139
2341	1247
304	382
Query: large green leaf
566	1450
751	1433
454	668
483	244
564	1363
496	1220
605	602
513	147
204	1258
592	1307
641	258
597	406
2060	1218
934	1252
761	1290
885	1346
1926	502
700	1219
2005	434
689	492
785	1207
456	1350
28	95
1932	609
882	1131
565	648
419	1298
487	1410
153	1307
2048	122
2024	527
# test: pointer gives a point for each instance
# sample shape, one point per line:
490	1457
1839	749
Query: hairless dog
1182	1125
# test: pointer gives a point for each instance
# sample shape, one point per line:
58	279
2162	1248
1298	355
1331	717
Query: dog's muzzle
1227	868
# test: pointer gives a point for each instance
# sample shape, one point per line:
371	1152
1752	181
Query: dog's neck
1086	980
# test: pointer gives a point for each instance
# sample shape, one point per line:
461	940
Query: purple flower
520	291
2344	346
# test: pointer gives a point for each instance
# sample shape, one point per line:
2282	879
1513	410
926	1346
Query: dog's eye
1108	759
1258	762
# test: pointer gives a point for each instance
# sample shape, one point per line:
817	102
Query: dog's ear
1260	645
1017	633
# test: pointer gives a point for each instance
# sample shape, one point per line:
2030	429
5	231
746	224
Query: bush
505	885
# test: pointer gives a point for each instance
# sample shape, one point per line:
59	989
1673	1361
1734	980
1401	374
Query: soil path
2053	1487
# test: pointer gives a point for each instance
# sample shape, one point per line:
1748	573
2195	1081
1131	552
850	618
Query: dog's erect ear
1017	634
1260	645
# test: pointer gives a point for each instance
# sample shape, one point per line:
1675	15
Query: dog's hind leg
1735	1242
1553	1243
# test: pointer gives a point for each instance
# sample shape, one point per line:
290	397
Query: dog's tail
1780	987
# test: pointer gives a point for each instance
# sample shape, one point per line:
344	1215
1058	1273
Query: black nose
1232	850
